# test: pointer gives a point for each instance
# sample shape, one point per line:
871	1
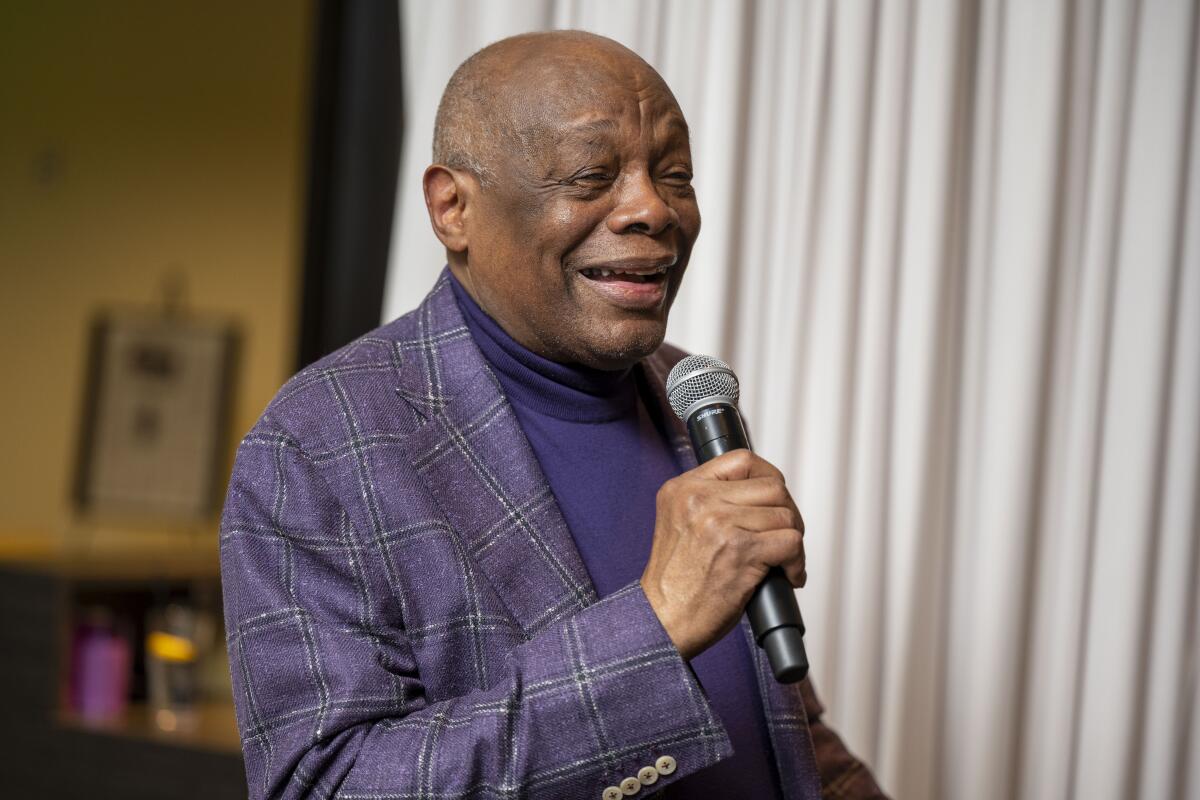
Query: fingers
783	548
797	575
767	490
763	518
751	480
747	480
764	492
755	492
738	465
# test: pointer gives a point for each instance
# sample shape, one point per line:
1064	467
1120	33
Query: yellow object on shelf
169	647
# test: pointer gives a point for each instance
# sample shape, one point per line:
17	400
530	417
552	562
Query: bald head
562	190
494	103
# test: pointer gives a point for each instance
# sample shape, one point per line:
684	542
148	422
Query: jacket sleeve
843	777
331	703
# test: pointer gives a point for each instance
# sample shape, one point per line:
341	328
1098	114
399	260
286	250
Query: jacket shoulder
351	390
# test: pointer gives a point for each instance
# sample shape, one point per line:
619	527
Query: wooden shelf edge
214	727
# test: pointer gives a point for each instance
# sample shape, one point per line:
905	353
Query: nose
641	209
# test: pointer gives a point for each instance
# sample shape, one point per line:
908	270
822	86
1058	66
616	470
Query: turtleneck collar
564	391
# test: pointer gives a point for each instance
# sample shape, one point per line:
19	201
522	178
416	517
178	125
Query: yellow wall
136	139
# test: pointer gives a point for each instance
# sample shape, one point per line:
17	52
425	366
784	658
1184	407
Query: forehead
575	104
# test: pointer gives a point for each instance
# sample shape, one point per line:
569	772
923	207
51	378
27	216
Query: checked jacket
407	615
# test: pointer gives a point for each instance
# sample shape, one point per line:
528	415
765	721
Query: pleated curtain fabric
952	249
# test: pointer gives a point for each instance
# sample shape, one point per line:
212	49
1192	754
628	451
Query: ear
447	195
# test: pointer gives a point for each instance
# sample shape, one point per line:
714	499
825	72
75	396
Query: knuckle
747	539
741	459
737	540
776	490
708	521
784	518
724	545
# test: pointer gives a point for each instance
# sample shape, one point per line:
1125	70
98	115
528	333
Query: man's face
578	245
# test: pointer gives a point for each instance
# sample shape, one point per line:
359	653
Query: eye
680	176
592	177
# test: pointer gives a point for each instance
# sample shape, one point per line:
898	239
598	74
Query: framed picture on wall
156	414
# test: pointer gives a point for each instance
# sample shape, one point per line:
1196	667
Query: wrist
676	627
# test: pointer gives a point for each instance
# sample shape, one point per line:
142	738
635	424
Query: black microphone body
774	614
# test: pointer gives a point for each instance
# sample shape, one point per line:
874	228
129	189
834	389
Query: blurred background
951	249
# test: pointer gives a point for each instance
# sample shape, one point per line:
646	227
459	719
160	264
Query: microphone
703	392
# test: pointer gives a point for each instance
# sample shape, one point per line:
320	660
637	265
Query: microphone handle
773	611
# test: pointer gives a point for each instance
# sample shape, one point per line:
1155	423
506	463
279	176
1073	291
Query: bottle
101	661
172	655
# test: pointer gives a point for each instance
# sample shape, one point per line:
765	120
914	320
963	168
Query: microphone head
698	381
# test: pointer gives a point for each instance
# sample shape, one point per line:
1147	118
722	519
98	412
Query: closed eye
679	178
594	177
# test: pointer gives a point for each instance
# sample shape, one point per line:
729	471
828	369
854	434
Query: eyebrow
594	132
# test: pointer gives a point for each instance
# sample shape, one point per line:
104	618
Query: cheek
563	229
545	226
571	223
689	218
564	216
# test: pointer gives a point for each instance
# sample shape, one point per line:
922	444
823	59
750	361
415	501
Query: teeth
599	272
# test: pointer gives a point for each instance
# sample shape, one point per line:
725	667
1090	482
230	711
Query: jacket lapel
656	367
480	469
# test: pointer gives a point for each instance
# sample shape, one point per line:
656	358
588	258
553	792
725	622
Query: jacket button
665	765
612	793
630	786
647	775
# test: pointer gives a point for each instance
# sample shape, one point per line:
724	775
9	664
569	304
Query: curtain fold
950	249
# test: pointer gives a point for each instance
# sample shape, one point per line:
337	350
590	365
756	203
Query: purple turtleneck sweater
605	456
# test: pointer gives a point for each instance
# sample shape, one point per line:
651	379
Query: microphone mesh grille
698	378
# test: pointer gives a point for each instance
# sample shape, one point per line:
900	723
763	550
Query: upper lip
637	266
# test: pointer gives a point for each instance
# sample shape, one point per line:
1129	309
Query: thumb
735	465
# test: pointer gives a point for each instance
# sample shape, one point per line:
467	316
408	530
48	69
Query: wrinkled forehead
569	99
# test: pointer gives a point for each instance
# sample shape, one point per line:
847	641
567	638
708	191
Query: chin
626	348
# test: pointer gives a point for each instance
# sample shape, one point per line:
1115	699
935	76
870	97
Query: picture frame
156	409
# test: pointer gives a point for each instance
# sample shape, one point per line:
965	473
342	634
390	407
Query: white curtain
953	252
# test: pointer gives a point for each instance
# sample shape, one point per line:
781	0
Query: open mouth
632	286
629	276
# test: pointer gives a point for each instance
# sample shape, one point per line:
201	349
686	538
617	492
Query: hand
718	529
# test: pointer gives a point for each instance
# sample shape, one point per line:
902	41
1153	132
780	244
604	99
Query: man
469	555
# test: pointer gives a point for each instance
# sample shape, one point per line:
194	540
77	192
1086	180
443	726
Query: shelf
182	561
215	727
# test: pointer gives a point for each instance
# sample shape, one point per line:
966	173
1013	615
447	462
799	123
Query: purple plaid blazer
408	617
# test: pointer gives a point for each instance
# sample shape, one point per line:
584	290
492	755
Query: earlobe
446	200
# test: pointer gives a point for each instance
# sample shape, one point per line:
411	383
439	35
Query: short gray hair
466	131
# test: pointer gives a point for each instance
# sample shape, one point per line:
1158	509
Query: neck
565	391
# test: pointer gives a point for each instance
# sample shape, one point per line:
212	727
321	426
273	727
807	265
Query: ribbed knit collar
564	391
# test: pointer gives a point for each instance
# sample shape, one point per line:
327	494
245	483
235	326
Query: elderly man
470	555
